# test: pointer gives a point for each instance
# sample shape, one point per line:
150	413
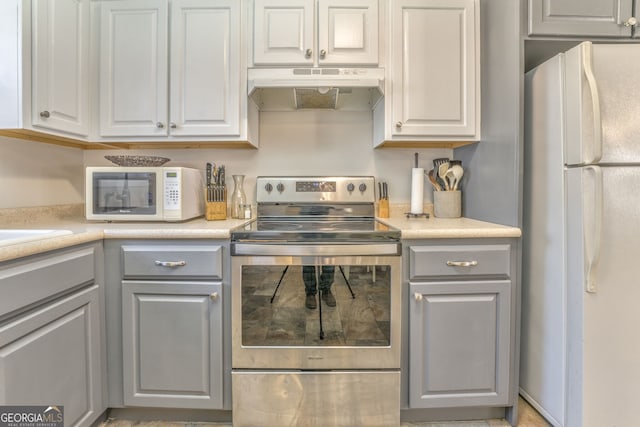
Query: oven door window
124	193
277	309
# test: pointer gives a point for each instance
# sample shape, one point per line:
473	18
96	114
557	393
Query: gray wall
492	186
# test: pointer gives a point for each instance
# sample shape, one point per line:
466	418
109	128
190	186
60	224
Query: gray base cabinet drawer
463	260
36	279
172	261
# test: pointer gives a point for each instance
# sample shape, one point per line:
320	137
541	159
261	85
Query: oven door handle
315	250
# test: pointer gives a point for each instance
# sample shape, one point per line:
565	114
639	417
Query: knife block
383	208
215	210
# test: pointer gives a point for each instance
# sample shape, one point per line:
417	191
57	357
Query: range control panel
315	189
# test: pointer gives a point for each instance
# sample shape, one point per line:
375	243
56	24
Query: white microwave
143	193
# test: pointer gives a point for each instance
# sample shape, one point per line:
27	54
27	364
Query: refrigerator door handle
587	66
593	237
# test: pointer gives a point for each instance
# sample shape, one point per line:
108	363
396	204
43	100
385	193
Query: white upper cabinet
434	67
133	68
205	68
602	18
320	32
60	68
44	70
283	32
181	83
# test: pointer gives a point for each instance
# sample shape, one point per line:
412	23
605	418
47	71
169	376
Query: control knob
268	187
280	187
362	187
350	187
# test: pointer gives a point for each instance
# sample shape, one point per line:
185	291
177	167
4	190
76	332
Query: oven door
273	329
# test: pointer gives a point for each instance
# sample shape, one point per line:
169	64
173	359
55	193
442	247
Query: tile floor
527	417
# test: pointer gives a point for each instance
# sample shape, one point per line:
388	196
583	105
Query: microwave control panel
171	190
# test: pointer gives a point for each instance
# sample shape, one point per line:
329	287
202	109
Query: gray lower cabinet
461	325
172	324
51	337
171	341
579	18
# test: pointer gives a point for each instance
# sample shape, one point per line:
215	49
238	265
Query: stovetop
313	209
345	231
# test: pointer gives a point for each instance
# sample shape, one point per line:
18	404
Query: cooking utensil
451	179
457	172
432	178
436	166
442	172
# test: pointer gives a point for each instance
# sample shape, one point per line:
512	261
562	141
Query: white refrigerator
580	343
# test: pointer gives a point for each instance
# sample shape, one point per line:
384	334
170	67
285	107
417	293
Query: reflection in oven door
315	305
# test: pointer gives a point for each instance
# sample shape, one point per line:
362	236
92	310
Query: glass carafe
238	198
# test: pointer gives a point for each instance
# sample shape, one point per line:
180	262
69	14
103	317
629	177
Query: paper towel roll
417	190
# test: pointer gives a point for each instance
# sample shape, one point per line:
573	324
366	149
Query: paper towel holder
416	215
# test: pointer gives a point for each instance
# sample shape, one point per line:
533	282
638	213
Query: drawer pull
418	296
462	263
214	296
171	264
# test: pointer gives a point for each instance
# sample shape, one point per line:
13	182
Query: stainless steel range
316	307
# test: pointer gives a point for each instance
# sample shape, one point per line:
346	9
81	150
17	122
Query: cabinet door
283	32
172	344
348	32
459	343
60	80
133	68
435	69
205	67
580	18
53	357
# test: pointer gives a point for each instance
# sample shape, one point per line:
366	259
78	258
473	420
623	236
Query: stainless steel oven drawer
307	398
459	260
178	261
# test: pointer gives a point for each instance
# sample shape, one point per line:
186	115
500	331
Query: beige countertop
448	228
199	228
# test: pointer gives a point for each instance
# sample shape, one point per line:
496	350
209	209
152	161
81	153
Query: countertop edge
22	250
83	232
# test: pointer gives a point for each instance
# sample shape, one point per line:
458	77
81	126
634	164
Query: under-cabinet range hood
316	88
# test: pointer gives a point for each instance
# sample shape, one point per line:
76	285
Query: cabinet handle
462	263
44	114
214	296
308	53
631	22
323	53
418	296
171	264
398	124
159	125
173	125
